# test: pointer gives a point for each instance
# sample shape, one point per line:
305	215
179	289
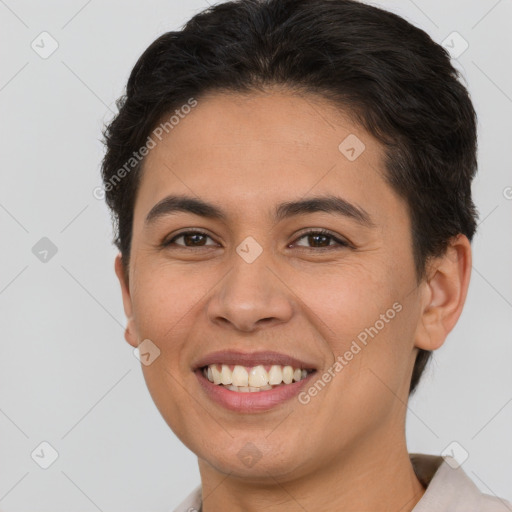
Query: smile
251	399
258	378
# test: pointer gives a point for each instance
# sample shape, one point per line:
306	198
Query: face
261	278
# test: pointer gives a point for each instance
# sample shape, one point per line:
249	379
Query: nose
250	296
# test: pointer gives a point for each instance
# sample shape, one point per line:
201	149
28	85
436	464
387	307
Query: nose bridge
250	293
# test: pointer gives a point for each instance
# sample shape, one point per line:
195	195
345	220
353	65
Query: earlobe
444	294
130	333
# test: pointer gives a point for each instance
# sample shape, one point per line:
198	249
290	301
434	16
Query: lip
255	402
232	357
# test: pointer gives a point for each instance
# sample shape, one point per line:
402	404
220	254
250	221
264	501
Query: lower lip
256	401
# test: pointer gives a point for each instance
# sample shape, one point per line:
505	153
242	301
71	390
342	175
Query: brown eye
321	239
191	239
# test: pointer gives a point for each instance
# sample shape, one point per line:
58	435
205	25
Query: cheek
164	302
360	316
346	299
164	313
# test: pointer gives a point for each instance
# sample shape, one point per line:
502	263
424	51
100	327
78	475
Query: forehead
273	126
255	150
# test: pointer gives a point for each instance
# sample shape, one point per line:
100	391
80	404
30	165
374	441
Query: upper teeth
256	376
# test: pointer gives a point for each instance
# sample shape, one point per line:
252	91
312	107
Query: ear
130	332
444	293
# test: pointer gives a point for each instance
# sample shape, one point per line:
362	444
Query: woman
291	185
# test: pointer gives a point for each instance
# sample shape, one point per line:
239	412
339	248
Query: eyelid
340	241
187	231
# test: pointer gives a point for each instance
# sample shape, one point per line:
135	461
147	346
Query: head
255	105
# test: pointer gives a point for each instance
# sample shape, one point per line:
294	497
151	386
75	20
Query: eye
195	238
323	238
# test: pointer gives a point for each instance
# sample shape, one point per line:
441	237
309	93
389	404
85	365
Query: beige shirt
448	489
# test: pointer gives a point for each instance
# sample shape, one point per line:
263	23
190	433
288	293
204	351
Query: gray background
67	376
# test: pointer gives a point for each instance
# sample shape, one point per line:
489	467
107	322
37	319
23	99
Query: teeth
248	389
226	375
217	376
258	377
249	380
275	375
287	374
240	377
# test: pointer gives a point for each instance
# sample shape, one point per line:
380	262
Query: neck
377	476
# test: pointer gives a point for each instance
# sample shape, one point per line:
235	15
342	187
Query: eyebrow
327	204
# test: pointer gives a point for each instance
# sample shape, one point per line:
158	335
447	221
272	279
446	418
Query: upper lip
250	359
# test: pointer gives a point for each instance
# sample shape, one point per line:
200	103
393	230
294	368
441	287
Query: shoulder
449	488
193	502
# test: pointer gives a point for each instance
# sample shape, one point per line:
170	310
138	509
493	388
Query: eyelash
322	232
